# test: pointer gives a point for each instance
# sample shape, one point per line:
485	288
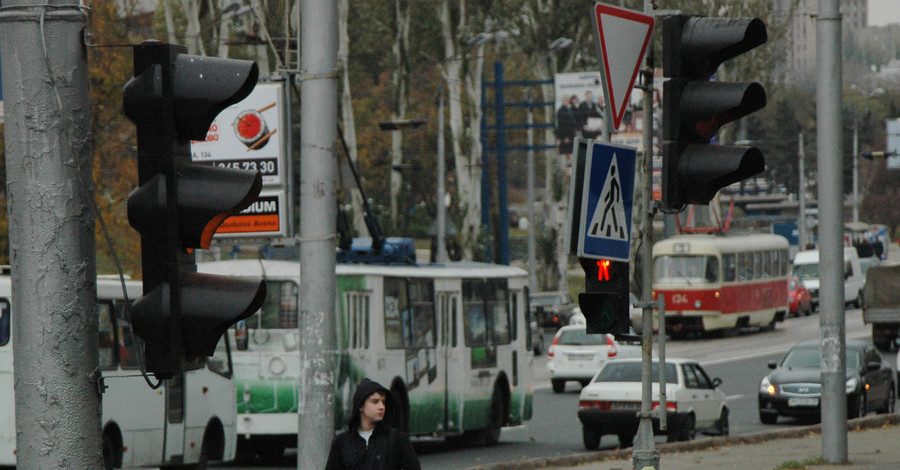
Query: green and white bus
451	342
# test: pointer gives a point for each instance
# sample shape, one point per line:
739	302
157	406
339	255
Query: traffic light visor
208	195
697	45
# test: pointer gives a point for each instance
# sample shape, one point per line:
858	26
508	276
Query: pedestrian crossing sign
606	202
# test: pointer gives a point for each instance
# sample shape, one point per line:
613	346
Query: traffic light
172	99
694	108
605	300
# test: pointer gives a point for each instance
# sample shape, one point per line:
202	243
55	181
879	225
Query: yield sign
621	37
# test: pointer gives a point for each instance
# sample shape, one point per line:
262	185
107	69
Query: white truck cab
806	267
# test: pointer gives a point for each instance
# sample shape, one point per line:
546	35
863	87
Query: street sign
621	37
604	229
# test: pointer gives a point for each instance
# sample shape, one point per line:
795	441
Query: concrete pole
829	149
441	191
51	230
801	196
532	245
318	214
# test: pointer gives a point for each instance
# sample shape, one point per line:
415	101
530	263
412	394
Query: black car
794	387
552	309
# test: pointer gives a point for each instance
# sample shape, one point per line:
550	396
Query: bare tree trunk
349	125
192	39
170	22
222	49
400	81
468	170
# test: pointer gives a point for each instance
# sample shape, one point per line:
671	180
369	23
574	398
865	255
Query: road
740	360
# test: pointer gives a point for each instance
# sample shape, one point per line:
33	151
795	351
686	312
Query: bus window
279	309
514	309
4	322
474	322
395	302
421	298
498	307
365	309
107	339
219	362
730	267
453	340
128	343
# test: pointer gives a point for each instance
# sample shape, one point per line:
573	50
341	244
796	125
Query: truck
882	305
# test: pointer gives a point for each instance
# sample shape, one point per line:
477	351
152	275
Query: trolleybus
715	282
189	420
450	341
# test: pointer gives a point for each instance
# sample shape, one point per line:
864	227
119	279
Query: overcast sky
882	12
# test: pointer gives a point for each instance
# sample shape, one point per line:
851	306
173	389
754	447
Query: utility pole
441	190
51	230
318	224
829	148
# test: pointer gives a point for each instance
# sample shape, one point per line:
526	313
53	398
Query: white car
610	402
576	355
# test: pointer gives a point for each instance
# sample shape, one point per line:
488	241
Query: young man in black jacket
369	443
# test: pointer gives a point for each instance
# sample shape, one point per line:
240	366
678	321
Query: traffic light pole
644	454
318	220
51	231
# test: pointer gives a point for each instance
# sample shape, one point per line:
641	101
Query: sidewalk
873	443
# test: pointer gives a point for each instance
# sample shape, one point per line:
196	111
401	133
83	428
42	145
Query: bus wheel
109	458
495	424
401	407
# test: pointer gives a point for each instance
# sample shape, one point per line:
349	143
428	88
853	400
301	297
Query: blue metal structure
500	127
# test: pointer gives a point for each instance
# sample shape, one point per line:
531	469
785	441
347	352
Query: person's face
372	410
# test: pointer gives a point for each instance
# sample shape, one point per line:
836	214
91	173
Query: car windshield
809	358
631	372
579	336
807	271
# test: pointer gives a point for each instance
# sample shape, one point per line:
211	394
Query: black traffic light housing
172	99
694	108
605	300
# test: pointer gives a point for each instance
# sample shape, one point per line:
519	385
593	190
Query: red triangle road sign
621	37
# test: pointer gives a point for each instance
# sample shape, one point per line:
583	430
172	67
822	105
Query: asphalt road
740	360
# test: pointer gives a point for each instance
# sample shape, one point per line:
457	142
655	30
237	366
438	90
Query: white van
806	267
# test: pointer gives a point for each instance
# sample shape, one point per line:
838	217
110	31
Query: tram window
421	297
745	267
767	264
712	269
4	322
730	267
497	294
757	265
106	336
396	305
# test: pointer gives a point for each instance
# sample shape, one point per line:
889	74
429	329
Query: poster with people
579	107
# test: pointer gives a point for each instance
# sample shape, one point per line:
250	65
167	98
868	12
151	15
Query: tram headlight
697	304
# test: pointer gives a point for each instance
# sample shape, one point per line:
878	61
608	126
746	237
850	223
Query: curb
573	460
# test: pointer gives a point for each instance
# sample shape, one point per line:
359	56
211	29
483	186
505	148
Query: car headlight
851	384
766	387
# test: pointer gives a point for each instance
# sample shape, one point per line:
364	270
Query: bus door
450	354
174	434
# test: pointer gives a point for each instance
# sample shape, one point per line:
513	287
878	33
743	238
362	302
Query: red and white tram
716	282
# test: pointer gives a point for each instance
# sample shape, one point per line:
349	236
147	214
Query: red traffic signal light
173	98
694	108
605	300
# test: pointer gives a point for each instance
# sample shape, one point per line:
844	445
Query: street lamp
873	94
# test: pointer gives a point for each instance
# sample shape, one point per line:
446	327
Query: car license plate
625	406
803	401
581	357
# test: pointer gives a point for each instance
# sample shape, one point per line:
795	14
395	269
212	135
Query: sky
882	12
